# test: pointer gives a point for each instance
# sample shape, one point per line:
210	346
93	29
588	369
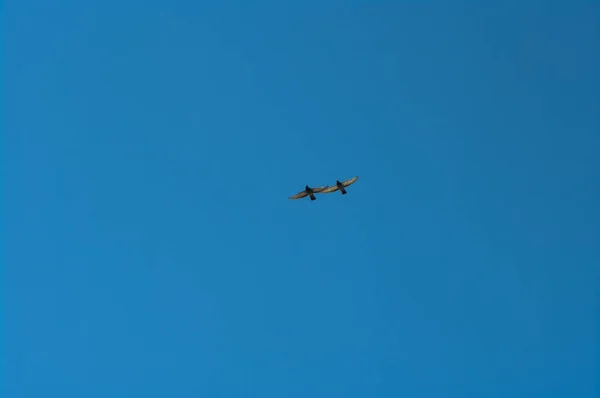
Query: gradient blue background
150	249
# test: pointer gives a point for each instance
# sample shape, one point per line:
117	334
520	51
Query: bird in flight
341	186
309	192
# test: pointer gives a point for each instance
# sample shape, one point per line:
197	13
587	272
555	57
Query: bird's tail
312	197
343	191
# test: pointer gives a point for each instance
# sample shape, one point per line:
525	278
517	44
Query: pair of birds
308	191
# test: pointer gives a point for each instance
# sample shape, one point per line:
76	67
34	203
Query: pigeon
341	185
309	192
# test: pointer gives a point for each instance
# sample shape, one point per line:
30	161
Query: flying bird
341	186
309	192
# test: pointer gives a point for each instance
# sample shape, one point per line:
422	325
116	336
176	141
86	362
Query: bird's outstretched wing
331	189
350	181
320	189
299	195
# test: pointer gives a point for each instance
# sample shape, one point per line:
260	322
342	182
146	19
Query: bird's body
341	186
308	191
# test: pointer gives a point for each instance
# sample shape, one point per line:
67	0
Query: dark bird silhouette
308	191
341	186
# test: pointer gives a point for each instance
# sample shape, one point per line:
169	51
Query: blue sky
150	249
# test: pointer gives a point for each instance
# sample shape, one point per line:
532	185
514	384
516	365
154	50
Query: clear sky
150	249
